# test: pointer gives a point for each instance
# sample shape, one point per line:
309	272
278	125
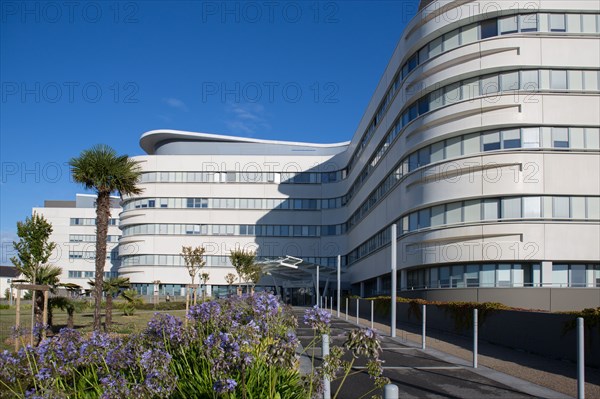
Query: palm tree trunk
70	321
102	216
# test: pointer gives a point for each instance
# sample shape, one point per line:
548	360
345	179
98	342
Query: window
590	80
560	207
471	144
468	34
511	208
578	207
452	93
436	99
510	81
437	151
574	23
491	141
577	276
575	80
531	137
593	207
560	137
560	275
451	40
576	138
589	23
453	147
490	209
529	80
489	85
424	218
487	276
557	23
508	24
472	211
532	207
435	47
558	80
489	28
437	215
453	213
470	89
511	139
528	22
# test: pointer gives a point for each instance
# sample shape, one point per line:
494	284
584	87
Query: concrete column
379	286
362	289
403	280
546	274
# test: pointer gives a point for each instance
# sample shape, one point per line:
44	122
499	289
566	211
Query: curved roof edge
152	138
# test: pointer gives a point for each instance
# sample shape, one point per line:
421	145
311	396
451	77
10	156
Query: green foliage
4	307
132	300
194	260
102	170
161	306
591	319
7	294
462	312
245	266
34	247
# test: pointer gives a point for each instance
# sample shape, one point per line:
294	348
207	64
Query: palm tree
102	170
111	287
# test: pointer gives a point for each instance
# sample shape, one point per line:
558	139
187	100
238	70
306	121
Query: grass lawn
82	321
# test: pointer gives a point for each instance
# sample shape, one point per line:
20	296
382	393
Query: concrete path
418	373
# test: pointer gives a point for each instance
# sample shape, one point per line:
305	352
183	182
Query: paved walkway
444	369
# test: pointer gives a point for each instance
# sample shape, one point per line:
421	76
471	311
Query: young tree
111	287
194	262
204	277
33	252
102	170
245	266
230	279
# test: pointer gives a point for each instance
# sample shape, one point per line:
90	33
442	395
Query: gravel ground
550	373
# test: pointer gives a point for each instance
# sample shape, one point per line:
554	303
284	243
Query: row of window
503	275
88	274
530	81
91	222
91	238
232	229
570	23
489	209
211	260
243	177
235	203
91	255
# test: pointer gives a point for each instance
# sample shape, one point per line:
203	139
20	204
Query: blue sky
74	74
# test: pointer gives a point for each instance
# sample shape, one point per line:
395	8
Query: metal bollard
325	307
475	332
331	304
326	382
346	309
357	312
580	360
372	314
390	391
424	315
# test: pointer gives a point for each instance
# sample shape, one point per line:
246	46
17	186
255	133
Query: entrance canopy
291	272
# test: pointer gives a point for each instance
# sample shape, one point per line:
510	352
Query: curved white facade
482	143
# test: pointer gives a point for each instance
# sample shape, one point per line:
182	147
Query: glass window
557	23
508	24
472	276
592	139
468	34
452	93
457	277
451	40
530	137
436	99
574	23
558	80
593	207
576	137
435	47
424	218
489	85
437	151
511	138
529	80
503	276
532	207
560	275
528	22
470	89
453	147
510	81
578	207
490	209
453	213
471	144
487	276
560	137
575	80
589	23
577	276
489	28
511	208
423	54
491	141
437	215
472	211
424	156
590	80
413	221
560	207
